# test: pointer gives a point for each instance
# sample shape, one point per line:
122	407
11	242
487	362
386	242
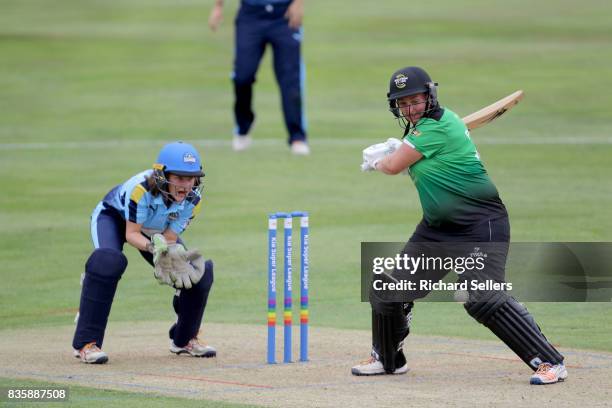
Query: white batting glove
393	144
372	154
365	166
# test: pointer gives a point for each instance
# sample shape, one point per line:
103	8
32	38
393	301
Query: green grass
92	397
140	74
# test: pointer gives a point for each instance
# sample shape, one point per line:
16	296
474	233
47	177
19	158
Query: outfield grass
92	89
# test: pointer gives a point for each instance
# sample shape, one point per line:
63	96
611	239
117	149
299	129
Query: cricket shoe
241	142
91	354
372	366
194	348
549	374
300	148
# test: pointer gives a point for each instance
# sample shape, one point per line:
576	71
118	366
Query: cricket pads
511	322
390	326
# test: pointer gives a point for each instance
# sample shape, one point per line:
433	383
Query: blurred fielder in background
460	204
149	211
259	23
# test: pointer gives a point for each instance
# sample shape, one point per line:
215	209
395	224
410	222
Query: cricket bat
493	111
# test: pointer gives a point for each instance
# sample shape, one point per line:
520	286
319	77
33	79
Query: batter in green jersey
453	185
460	204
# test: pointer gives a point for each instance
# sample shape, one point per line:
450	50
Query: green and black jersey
454	187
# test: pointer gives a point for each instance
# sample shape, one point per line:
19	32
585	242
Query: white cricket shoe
372	366
194	348
241	142
300	148
91	354
549	374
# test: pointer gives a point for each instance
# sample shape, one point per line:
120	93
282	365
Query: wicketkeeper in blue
149	211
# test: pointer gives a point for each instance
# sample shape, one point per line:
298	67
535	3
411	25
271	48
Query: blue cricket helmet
179	158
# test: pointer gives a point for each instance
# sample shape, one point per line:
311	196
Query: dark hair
152	186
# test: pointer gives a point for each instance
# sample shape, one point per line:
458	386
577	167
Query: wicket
288	293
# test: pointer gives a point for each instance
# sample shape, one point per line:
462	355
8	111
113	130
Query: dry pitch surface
443	371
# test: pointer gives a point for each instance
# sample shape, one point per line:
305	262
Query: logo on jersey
400	80
189	158
173	216
415	133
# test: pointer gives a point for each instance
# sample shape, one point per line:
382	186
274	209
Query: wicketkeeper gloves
174	265
187	266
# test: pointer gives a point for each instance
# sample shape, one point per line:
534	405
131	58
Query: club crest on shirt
400	80
189	158
415	133
172	216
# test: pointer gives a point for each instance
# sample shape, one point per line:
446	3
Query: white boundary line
280	142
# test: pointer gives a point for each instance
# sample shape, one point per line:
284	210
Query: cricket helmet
181	159
411	81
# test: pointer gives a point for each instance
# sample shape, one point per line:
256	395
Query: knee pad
511	322
102	273
106	264
382	302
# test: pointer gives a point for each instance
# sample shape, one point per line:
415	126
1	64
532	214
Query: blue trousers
103	271
256	27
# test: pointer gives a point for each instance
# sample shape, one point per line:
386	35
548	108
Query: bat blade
493	111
